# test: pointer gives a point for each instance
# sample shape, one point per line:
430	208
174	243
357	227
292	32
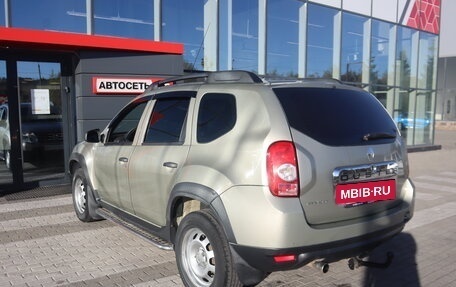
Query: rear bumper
273	223
263	259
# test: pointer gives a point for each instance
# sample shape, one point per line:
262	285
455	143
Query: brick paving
42	243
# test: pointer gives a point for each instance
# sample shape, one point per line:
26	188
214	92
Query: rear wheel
202	252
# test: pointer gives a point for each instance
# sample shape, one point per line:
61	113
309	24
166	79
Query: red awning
27	38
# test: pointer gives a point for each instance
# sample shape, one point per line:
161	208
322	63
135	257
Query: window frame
186	94
221	132
120	117
183	124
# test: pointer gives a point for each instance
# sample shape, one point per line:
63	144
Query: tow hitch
356	262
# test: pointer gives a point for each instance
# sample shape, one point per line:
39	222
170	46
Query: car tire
200	244
81	196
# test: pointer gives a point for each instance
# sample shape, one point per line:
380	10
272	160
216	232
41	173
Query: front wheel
202	252
80	190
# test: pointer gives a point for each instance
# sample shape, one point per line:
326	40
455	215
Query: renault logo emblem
370	154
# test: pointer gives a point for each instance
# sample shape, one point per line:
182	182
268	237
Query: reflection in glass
416	70
68	15
6	175
382	65
381	93
320	41
224	41
414	116
427	61
352	48
380	52
404	51
2	13
282	48
125	18
41	120
423	118
3	88
179	26
245	35
401	110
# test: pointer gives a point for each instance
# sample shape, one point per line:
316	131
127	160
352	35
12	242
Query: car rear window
336	117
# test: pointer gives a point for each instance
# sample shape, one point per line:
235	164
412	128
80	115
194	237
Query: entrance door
6	176
40	101
33	147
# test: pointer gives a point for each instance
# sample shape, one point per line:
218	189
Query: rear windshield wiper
377	136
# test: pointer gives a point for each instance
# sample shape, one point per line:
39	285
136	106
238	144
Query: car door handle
170	164
123	159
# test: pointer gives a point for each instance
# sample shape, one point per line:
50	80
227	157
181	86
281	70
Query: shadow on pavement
403	269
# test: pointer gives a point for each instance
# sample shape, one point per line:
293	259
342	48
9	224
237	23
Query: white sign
120	86
40	102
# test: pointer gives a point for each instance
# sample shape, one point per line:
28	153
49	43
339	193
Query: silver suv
243	178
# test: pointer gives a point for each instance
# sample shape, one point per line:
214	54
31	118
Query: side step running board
157	241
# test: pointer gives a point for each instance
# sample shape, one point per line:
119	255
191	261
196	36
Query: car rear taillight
282	169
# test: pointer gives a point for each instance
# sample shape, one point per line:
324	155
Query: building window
224	39
382	66
416	58
124	18
406	48
183	21
2	13
3	87
282	48
423	120
245	35
427	61
59	15
320	41
355	34
381	48
415	116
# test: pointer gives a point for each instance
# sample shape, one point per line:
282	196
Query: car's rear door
158	160
351	158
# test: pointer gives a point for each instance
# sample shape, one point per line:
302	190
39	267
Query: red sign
366	192
120	86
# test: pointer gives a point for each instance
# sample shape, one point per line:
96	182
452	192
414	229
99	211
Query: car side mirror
93	136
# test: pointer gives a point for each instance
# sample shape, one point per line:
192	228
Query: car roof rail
322	80
234	76
304	80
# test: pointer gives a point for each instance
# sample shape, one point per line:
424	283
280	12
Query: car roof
244	77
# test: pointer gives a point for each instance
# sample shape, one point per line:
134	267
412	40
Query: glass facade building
388	47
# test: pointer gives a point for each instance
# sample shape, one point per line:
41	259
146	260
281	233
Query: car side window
216	116
124	126
167	121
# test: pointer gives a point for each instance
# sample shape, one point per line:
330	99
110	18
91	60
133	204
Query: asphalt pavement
42	243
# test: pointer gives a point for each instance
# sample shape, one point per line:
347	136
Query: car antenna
199	49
